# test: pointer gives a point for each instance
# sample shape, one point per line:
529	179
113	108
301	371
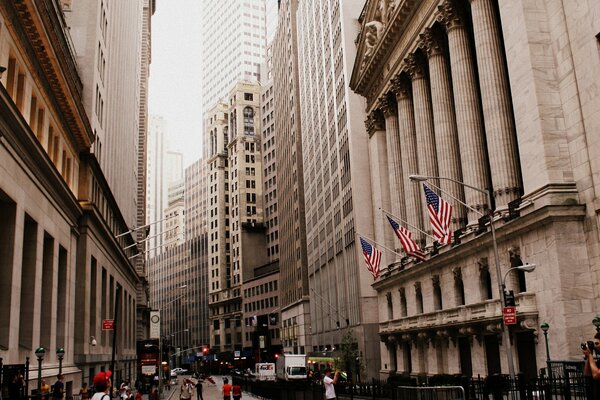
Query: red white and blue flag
408	243
440	214
372	257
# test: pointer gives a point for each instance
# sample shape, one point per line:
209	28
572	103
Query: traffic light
205	350
276	356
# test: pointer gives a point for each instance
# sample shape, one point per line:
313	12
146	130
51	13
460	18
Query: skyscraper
234	44
290	216
336	179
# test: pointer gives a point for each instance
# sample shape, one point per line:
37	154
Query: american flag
372	257
440	213
410	246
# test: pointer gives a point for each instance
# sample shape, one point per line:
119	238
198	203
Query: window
485	280
248	121
418	298
403	307
390	306
459	287
437	293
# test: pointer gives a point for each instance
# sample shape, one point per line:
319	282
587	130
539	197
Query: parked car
178	371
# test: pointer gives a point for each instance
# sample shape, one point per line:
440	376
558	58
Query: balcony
489	310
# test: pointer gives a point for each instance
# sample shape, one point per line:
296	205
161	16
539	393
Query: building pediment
382	22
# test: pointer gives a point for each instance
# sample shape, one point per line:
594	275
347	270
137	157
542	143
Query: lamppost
60	353
39	353
505	334
596	322
160	340
545	326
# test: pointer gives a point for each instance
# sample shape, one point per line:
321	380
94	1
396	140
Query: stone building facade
235	220
500	95
63	268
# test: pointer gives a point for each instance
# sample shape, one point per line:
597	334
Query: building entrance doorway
492	354
526	354
464	350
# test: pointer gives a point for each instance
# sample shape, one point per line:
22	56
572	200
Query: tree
350	360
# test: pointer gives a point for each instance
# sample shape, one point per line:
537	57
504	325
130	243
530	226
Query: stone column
408	144
380	190
471	136
394	153
423	114
444	124
497	107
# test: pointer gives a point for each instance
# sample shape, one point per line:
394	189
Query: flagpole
407	223
378	244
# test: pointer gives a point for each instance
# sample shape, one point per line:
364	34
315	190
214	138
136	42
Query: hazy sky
174	77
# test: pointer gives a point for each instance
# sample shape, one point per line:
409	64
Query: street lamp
545	326
160	340
505	334
60	353
596	322
39	353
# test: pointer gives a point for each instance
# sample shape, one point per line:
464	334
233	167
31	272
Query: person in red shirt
236	391
138	395
226	389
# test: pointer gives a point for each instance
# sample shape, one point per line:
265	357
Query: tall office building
164	167
174	215
107	37
235	220
336	180
269	155
236	58
293	285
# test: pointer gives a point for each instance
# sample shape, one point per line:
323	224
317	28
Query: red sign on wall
108	324
510	315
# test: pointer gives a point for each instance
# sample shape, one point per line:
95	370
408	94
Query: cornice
367	67
39	25
28	152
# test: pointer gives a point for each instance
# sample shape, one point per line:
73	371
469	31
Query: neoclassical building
500	95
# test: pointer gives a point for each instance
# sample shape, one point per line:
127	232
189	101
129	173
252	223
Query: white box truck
291	367
265	371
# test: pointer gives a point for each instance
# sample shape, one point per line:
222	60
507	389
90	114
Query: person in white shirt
328	383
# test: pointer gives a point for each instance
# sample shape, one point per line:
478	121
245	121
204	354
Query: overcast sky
174	91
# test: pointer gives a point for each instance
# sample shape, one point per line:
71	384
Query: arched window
248	121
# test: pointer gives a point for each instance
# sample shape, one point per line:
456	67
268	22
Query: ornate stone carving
374	123
493	328
418	287
401	87
406	337
457	272
449	16
392	340
373	31
435	280
529	324
414	67
431	43
387	106
466	331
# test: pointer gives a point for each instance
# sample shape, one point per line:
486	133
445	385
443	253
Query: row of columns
440	125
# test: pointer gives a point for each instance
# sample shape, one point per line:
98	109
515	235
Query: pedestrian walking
84	392
186	390
199	390
226	389
58	389
236	391
102	384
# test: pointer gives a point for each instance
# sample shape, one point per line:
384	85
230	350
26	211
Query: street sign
510	315
108	324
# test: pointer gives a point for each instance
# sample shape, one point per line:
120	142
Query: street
210	391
